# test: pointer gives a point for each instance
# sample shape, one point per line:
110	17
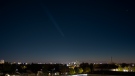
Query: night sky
67	30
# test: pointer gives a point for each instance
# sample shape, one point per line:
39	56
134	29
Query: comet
52	19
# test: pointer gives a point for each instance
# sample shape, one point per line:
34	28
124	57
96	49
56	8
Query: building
1	61
73	64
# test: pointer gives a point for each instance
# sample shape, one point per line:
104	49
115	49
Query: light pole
52	71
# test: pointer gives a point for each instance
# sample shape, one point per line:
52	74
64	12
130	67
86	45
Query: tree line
84	68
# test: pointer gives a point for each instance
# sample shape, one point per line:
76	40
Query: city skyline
67	30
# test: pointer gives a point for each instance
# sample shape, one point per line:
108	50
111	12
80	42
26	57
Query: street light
52	71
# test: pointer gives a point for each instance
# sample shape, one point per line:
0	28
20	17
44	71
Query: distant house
28	74
13	74
105	67
40	73
32	74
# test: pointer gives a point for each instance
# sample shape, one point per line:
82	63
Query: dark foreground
113	73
